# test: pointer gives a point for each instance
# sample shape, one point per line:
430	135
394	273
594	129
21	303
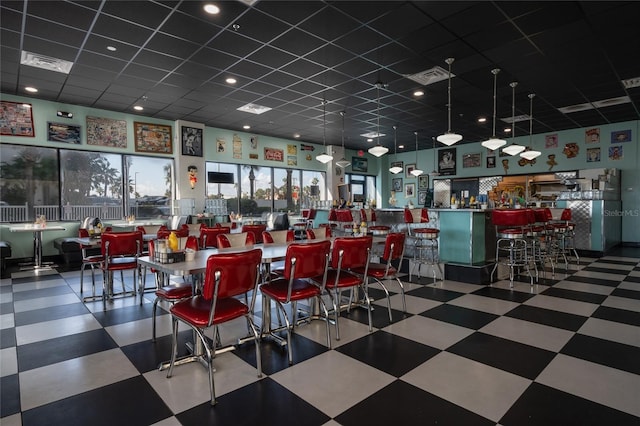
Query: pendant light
449	138
324	158
434	172
378	150
395	169
530	153
514	148
494	143
416	172
343	162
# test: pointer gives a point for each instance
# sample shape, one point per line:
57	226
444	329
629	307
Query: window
314	188
149	186
29	184
363	188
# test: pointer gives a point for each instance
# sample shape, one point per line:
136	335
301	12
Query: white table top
32	227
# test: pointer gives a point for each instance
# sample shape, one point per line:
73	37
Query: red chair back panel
424	216
312	214
355	252
256	230
408	217
238	273
344	215
235	240
515	217
395	240
363	215
333	216
192	243
284	236
208	236
122	243
373	215
541	215
566	214
310	258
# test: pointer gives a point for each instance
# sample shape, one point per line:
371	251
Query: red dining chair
304	278
121	251
91	257
227	276
278	237
319	233
345	221
348	254
209	236
256	230
235	240
392	255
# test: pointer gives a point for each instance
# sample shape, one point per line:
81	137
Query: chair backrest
566	214
281	222
278	237
348	253
229	275
312	214
394	246
363	215
235	240
182	231
542	215
408	217
192	243
320	233
194	228
308	260
163	232
373	215
122	244
333	215
344	215
256	230
510	217
209	236
231	225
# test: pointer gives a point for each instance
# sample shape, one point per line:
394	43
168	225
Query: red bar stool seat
511	240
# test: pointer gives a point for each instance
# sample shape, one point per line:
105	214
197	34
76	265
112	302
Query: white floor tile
610	330
44	302
622	303
415	305
484	304
529	333
8	361
585	287
562	305
51	329
437	334
601	275
7	321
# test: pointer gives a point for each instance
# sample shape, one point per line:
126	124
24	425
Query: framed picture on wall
423	182
447	161
191	138
422	197
491	162
409	190
396	185
359	164
472	160
408	169
62	132
106	132
150	137
16	119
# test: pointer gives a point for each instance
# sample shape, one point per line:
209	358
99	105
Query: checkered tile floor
563	352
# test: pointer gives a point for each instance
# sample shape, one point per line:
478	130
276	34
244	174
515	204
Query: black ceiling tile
113	105
116	89
197	71
259	26
280	79
213	58
101	61
329	55
361	40
27	72
270	57
149	14
234	43
329	78
260	88
479	18
131	81
171	46
250	70
492	36
10	39
92	73
297	42
188	28
156	60
80	100
389	54
86	83
291	12
10	20
329	24
99	44
507	52
402	20
185	81
117	97
357	67
120	30
553	15
54	33
69	14
8	82
302	68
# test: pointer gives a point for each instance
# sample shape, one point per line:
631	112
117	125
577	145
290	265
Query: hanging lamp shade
343	162
416	172
395	169
323	157
378	150
449	138
493	142
530	153
513	148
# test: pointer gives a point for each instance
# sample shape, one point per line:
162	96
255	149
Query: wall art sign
16	119
191	138
106	132
272	154
62	132
150	137
447	161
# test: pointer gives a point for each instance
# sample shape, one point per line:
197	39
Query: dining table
37	230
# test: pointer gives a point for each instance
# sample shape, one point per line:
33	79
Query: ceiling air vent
430	76
631	82
45	62
516	119
575	108
612	101
254	109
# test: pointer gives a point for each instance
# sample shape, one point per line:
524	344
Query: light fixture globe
416	172
493	142
378	150
323	157
514	148
449	138
343	162
530	153
395	169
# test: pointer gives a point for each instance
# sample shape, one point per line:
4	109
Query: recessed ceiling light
482	120
418	93
369	140
31	89
246	127
111	48
507	130
296	135
138	108
211	9
401	146
231	80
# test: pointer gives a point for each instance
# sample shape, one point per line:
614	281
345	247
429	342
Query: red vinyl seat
227	276
304	278
209	236
256	230
511	240
278	237
236	240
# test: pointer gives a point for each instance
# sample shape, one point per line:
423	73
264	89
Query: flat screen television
219	177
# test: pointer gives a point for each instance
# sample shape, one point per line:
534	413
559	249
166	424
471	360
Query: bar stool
565	237
345	221
371	223
425	241
537	235
511	232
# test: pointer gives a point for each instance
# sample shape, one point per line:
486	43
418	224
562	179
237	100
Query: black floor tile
51	351
147	356
629	294
504	294
9	395
617	315
605	270
517	358
129	402
35	278
122	315
379	316
580	296
434	293
463	317
7	337
6	308
41	292
392	354
596	281
605	352
615	262
403	404
549	317
51	313
541	405
264	403
632	279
